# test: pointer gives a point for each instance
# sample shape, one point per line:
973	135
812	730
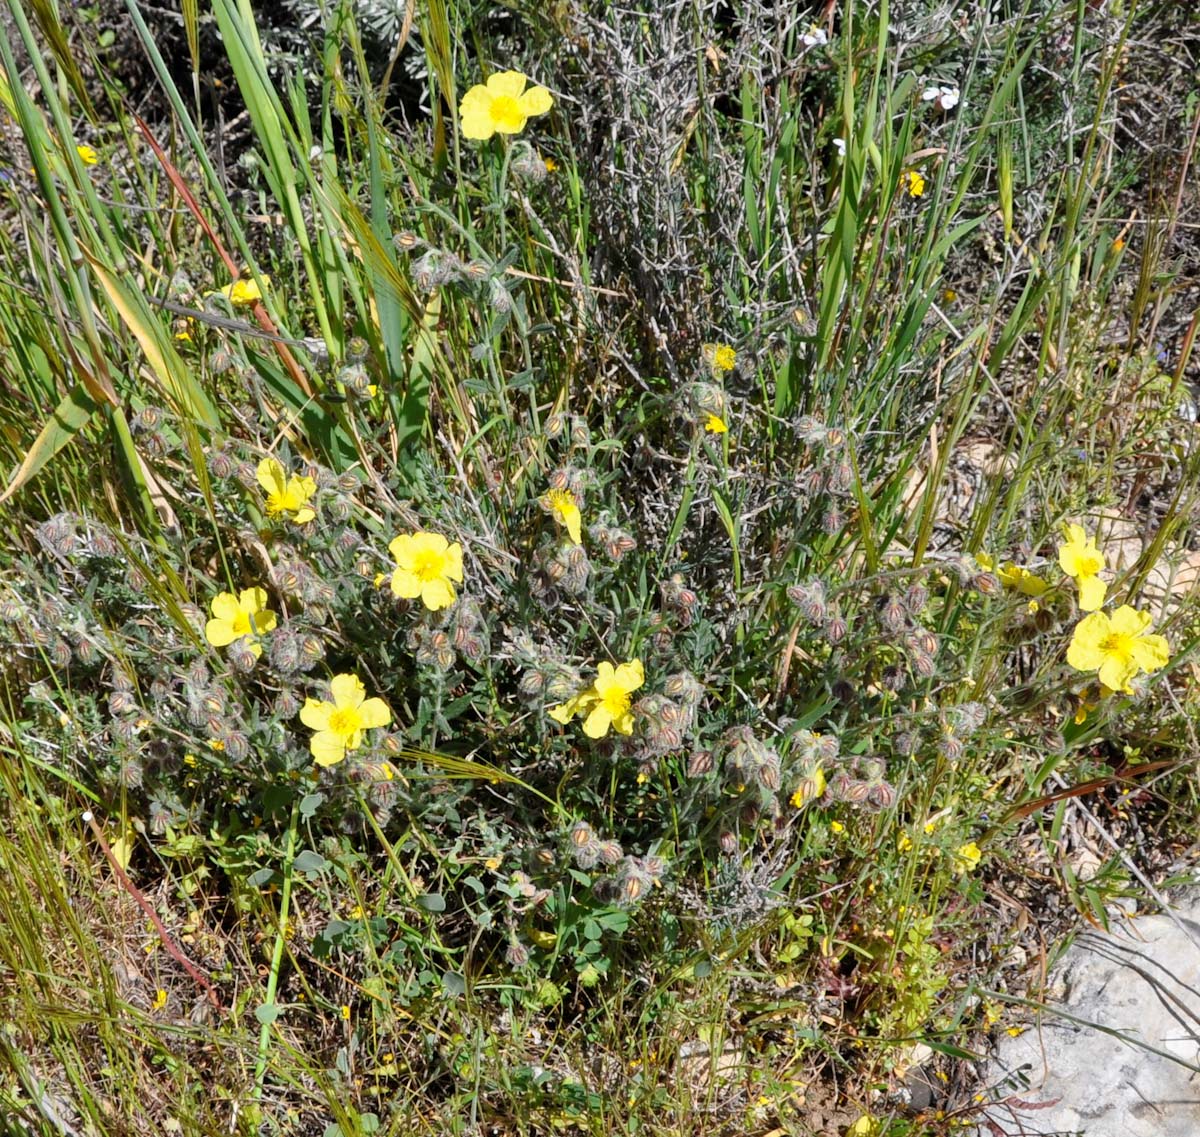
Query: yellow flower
1021	580
501	106
716	425
811	788
427	566
563	507
914	182
837	827
606	701
87	155
160	1000
550	164
903	842
865	1126
719	356
286	494
243	292
339	725
1117	646
1080	558
239	617
966	857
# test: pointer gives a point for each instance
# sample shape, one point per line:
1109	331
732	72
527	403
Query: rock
1062	1077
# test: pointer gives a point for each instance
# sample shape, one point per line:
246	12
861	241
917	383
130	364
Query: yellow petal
327	748
304	515
537	100
1116	673
510	83
252	600
347	691
316	714
437	594
375	712
630	676
454	562
402	549
219	633
1151	652
271	476
225	607
598	721
1091	593
405	585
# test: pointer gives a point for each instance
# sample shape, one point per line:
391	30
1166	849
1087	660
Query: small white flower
839	144
944	98
814	37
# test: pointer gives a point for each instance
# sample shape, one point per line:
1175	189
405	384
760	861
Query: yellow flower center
616	701
345	721
241	624
506	112
428	564
1118	644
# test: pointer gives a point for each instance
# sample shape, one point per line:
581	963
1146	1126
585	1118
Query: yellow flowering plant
966	858
562	506
287	494
339	724
1117	647
502	105
244	616
1079	558
243	292
914	183
720	357
715	424
427	566
605	704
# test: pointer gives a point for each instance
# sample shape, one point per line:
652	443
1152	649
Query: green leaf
267	1013
69	418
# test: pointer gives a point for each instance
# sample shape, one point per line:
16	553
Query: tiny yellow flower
339	725
562	506
1021	580
345	1012
1079	558
965	858
160	1000
242	292
716	425
811	788
837	827
550	164
239	617
720	356
914	182
903	842
286	493
865	1126
501	106
427	566
493	863
1117	647
87	155
606	702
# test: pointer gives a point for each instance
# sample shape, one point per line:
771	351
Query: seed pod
986	583
700	763
728	842
891	611
836	629
610	852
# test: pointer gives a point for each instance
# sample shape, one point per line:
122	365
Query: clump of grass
546	634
